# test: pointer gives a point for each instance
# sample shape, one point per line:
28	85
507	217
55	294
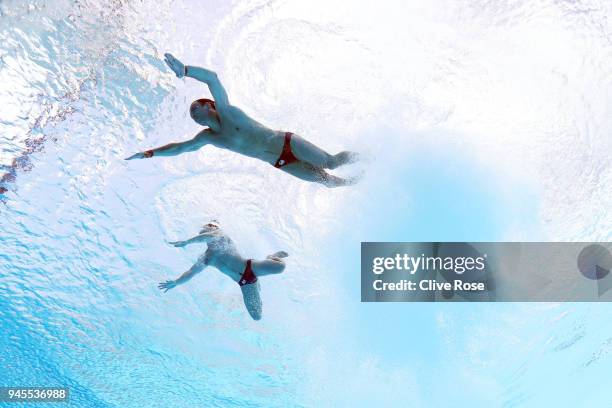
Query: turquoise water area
477	122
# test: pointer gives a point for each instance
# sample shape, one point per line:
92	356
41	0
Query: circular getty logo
594	262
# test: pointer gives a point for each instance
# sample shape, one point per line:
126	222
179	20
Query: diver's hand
178	244
167	285
175	65
141	155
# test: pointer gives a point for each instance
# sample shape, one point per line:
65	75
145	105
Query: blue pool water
480	122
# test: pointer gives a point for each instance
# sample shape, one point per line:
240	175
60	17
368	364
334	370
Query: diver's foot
350	181
279	254
343	158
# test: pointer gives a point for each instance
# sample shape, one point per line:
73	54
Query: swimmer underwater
228	127
223	255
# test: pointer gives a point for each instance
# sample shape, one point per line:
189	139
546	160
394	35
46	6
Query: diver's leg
252	300
272	265
278	254
308	172
308	152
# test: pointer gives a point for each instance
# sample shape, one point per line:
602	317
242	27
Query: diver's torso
241	134
223	255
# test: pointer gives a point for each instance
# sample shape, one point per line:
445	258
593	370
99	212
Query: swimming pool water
481	121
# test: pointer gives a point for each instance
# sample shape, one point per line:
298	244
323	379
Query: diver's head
210	226
204	112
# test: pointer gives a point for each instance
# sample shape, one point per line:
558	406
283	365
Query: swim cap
212	224
204	101
211	104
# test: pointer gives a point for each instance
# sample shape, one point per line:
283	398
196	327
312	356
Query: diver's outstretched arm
200	238
174	149
201	74
186	276
211	79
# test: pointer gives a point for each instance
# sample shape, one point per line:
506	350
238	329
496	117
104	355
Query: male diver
223	255
230	128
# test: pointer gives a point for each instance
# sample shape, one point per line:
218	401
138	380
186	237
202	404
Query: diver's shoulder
204	134
221	240
234	111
